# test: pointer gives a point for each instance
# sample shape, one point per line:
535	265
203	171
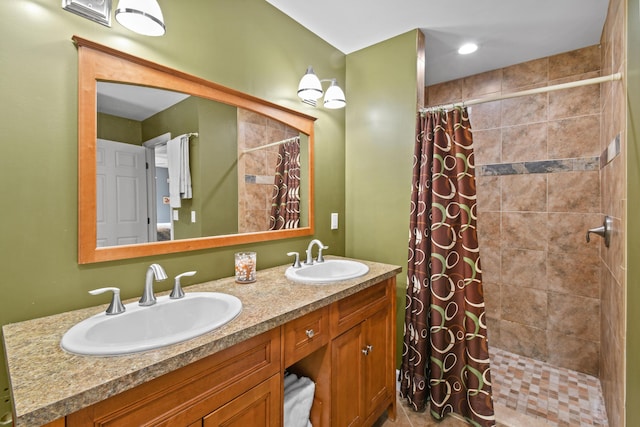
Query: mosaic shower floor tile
527	393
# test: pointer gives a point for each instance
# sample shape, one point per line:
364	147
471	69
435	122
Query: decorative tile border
611	152
543	166
258	179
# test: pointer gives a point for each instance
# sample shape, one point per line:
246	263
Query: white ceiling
134	102
507	31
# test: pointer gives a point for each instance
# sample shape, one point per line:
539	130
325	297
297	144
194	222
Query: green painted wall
114	128
245	44
633	212
380	133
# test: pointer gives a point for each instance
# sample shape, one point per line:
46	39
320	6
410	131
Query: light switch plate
96	10
334	221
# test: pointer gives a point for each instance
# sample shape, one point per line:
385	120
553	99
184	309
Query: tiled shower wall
256	170
613	261
538	188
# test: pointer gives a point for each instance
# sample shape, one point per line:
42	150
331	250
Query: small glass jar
245	267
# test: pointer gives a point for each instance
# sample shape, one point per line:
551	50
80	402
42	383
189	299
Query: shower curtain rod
284	141
609	78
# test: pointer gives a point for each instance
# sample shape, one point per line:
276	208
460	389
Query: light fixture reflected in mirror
310	89
141	16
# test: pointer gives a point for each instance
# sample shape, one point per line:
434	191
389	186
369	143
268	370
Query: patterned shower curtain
445	360
285	202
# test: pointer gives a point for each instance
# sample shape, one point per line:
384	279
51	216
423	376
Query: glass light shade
309	87
334	98
141	16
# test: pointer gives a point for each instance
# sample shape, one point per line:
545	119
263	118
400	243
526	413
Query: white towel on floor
179	171
298	399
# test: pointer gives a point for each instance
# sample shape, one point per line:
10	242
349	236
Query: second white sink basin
332	270
145	328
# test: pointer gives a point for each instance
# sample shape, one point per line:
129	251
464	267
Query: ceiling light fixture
467	48
141	16
310	89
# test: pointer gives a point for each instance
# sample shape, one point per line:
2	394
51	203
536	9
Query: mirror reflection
231	189
172	166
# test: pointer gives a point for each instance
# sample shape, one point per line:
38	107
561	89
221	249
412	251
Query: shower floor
527	393
559	396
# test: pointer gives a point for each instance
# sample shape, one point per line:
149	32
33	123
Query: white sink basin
145	328
332	270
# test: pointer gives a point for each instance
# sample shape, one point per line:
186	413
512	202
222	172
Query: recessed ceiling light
467	48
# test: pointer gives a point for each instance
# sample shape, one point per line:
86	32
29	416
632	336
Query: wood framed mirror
234	145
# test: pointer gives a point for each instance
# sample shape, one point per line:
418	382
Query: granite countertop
48	383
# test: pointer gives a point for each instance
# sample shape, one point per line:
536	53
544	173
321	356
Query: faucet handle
320	257
116	306
177	291
296	263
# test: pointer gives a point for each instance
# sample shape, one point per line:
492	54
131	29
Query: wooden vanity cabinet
363	356
346	348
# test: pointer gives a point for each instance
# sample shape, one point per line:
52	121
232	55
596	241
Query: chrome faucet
148	298
321	246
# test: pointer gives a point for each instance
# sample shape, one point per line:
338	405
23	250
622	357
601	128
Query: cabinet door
257	407
347	399
377	346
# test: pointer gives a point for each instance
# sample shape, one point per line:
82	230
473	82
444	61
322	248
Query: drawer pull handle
368	349
310	333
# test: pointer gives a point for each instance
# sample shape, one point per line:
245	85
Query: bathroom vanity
341	335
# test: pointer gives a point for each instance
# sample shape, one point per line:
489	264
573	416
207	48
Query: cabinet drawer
350	311
305	335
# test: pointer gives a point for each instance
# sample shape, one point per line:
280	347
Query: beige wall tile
533	313
485	116
526	75
486	146
574	63
524	143
524	230
524	193
525	340
567	232
574	274
488	193
573	353
574	192
489	230
445	93
492	299
524	268
575	316
525	109
491	263
574	137
573	102
482	84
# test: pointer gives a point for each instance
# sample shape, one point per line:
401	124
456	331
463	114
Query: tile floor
527	393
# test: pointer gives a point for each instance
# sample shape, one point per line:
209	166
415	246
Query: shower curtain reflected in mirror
285	202
445	360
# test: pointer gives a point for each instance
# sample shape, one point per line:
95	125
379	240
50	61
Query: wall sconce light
141	16
310	89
